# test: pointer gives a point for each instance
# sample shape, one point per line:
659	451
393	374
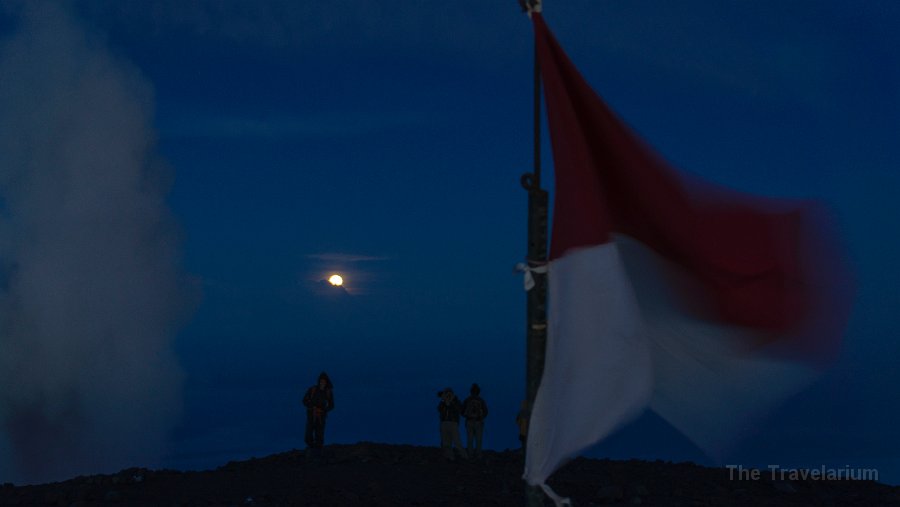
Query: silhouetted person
522	422
474	409
318	400
449	409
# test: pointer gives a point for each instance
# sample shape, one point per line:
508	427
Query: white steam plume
90	290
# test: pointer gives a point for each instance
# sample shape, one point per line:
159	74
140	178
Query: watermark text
781	473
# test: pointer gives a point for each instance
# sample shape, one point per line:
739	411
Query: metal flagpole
536	309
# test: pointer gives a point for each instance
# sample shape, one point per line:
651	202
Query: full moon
336	280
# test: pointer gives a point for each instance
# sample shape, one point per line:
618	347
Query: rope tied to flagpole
529	6
559	501
529	267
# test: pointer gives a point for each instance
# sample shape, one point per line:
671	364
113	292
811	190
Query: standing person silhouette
522	419
318	400
474	409
449	409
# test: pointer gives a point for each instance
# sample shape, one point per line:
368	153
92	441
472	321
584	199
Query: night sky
286	141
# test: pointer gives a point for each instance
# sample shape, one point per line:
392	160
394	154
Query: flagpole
536	310
536	298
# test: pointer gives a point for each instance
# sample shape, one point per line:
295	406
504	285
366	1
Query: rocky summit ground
395	475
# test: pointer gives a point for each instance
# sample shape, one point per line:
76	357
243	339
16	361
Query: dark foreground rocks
395	475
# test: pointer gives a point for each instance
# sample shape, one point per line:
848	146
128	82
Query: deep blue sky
385	143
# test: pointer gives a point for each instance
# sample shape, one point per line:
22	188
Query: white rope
558	500
528	270
533	6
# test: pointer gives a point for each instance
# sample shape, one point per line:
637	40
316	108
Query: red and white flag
706	305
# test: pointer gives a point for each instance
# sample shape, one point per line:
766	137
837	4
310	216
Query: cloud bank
90	290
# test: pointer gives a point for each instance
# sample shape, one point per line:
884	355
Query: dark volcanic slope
396	475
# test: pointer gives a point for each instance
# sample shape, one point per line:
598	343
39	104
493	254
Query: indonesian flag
706	305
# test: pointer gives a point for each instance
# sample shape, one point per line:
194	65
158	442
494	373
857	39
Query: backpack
474	409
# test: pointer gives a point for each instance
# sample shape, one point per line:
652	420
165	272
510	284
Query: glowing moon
336	280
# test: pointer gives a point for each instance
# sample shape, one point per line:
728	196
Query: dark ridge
399	475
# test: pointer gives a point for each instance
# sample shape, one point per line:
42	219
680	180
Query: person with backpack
449	409
474	410
318	400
